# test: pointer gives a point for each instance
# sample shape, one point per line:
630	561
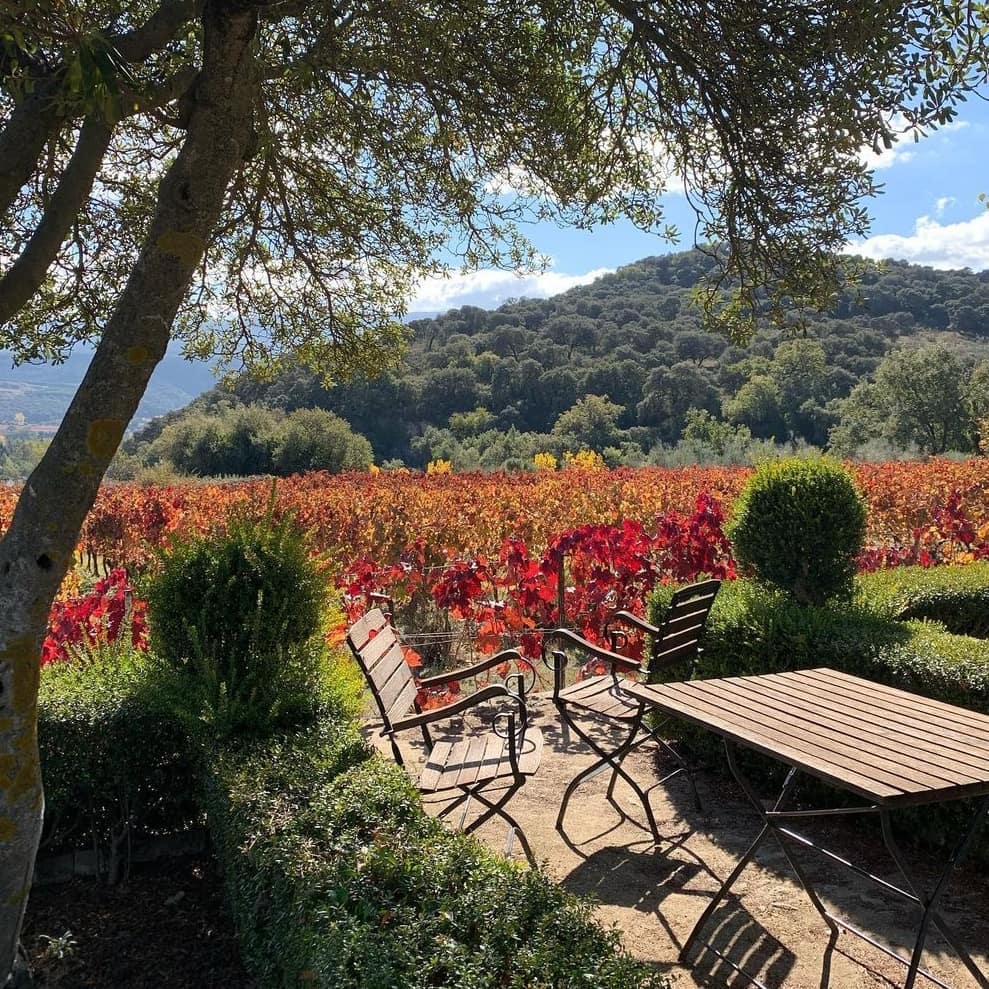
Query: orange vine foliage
379	515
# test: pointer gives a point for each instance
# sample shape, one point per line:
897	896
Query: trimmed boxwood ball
798	525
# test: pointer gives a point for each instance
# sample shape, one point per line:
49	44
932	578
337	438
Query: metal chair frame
675	642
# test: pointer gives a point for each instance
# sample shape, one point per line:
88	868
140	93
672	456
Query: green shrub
239	617
955	596
115	765
338	878
798	525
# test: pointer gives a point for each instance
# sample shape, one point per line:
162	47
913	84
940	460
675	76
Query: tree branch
160	28
23	139
27	273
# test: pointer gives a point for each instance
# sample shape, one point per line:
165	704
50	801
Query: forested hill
633	336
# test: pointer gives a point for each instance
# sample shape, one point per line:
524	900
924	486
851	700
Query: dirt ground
769	927
166	926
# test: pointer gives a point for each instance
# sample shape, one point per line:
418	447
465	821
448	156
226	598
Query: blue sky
929	213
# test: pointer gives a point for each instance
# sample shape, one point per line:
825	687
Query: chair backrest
378	651
680	634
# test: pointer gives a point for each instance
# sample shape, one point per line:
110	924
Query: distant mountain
41	392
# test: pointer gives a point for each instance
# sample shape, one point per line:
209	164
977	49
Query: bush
338	878
115	765
799	524
239	617
955	596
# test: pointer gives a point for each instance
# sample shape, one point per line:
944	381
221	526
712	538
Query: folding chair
471	762
676	641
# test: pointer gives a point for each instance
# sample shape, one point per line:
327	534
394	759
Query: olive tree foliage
265	180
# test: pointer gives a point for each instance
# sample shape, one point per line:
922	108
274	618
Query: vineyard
508	555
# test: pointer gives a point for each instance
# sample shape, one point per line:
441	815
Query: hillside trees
922	397
267	178
795	402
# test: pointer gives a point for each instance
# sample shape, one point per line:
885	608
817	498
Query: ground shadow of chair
675	645
471	762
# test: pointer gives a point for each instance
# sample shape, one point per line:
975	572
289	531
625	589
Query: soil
167	926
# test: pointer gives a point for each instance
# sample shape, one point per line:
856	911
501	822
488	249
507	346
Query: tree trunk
37	549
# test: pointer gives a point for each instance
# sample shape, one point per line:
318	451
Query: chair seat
476	759
601	695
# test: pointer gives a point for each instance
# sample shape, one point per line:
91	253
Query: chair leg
498	807
612	759
649	734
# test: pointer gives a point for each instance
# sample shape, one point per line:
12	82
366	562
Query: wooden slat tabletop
890	746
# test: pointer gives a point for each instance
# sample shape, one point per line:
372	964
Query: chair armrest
456	707
513	741
506	656
617	637
616	660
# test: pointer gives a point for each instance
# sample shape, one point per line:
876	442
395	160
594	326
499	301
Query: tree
266	179
757	406
314	439
921	393
669	392
591	423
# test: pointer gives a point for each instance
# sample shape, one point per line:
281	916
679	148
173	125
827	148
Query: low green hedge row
755	630
115	764
334	873
338	878
958	597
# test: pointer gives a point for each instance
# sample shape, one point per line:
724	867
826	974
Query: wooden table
892	748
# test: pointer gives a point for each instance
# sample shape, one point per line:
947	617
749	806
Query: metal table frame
776	823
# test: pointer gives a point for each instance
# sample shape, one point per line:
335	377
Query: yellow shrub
545	461
439	467
584	460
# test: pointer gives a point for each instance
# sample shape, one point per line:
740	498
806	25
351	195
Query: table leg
726	886
798	870
930	915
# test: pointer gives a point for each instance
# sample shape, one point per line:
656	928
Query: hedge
334	873
956	596
753	630
338	878
115	765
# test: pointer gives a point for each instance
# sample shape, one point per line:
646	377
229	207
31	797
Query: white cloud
942	203
904	141
940	245
886	158
489	288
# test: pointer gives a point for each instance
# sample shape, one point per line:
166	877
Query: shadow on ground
767	926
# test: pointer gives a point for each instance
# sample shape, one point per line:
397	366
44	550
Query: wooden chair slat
360	632
390	690
402	704
688	637
378	649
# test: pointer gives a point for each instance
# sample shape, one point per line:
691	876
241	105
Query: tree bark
23	138
37	549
